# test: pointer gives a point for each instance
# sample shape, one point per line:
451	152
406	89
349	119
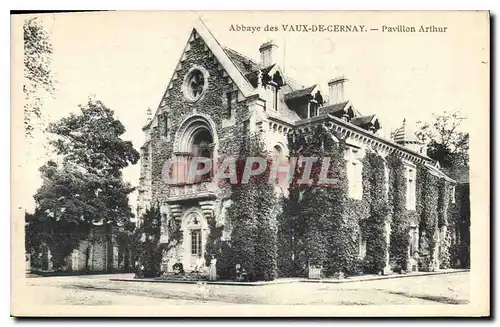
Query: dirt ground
99	290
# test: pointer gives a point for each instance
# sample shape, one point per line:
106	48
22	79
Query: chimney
268	54
149	115
336	89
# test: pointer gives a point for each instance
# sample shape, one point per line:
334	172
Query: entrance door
195	231
196	250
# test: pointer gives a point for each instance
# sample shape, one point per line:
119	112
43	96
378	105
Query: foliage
61	237
291	257
428	212
221	250
320	230
87	187
38	78
399	240
147	242
374	226
447	144
253	239
266	247
92	140
459	228
242	215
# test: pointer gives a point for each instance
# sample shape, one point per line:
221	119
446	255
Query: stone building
214	95
95	253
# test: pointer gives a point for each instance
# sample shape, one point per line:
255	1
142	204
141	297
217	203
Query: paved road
99	290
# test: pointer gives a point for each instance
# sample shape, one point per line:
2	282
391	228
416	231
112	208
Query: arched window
277	152
202	148
195	140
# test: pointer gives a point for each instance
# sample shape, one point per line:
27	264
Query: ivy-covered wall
374	225
316	226
253	214
459	228
400	223
428	219
321	226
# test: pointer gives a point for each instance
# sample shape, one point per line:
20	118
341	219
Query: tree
447	144
147	238
87	188
38	79
92	141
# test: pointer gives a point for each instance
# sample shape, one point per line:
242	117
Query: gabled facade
214	95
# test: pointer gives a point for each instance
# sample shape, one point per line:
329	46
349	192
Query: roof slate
299	93
334	108
245	64
363	120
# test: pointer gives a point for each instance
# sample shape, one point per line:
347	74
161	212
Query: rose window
196	84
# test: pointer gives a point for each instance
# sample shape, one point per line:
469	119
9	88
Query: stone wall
213	103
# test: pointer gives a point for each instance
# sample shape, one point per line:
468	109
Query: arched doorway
195	232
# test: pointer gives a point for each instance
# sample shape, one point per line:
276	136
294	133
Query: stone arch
196	137
188	129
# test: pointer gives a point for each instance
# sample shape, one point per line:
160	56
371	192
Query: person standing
213	269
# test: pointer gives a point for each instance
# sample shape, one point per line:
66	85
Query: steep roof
438	173
334	108
299	93
232	62
363	120
246	65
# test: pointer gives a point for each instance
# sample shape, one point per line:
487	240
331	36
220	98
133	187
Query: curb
290	281
367	279
178	281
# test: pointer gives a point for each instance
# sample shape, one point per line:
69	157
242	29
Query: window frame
196	248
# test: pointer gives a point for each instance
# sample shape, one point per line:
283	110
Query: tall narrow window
313	108
354	174
362	246
413	240
196	242
165	124
410	190
229	96
275	98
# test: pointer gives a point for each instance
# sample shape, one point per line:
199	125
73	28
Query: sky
126	60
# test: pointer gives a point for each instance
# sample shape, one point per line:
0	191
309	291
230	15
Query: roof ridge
241	55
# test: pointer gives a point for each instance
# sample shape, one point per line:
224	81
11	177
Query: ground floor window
196	242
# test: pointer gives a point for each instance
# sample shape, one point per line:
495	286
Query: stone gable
177	108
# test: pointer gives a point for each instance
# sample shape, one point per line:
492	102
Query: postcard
253	164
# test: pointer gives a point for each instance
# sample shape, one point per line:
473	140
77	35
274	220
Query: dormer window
313	108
